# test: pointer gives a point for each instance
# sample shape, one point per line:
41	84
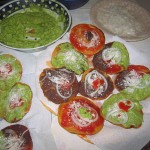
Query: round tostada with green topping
134	81
120	110
64	55
15	102
113	58
10	71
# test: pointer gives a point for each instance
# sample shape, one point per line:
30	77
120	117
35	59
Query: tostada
80	116
10	71
58	85
15	137
112	59
95	84
134	81
120	110
65	56
87	39
15	103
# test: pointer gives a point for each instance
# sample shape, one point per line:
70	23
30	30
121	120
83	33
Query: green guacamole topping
84	113
1	135
15	102
3	96
10	71
124	54
142	91
120	109
69	58
2	138
31	27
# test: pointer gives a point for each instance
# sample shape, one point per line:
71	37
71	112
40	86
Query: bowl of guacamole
32	25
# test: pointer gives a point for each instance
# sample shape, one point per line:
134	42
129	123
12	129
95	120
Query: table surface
81	15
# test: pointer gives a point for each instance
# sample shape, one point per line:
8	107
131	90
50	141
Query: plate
126	19
52	7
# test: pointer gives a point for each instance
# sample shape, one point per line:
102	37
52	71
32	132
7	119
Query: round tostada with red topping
112	59
87	39
15	103
15	137
80	116
58	85
120	110
134	81
10	71
95	84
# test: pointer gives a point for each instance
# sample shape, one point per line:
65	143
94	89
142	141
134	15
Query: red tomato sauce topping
125	106
113	69
87	39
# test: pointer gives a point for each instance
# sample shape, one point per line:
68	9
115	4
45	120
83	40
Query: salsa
31	27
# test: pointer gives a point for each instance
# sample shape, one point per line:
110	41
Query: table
81	15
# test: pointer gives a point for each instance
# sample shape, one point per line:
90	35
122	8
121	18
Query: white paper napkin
67	141
38	119
112	137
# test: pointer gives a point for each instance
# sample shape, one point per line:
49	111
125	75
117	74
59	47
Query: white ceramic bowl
17	5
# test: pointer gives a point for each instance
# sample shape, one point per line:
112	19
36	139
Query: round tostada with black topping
15	137
95	84
58	85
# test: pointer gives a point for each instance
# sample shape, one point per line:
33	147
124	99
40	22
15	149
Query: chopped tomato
113	69
125	106
16	103
97	83
87	39
5	69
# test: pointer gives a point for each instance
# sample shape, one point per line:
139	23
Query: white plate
126	19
